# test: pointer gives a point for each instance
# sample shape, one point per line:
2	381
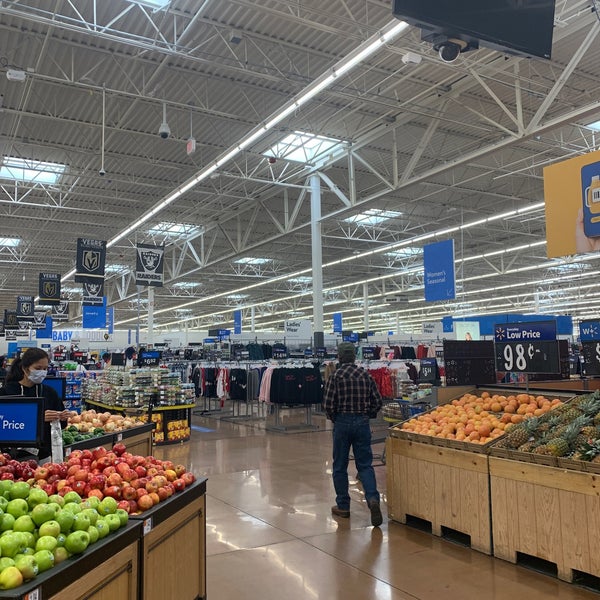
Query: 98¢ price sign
528	357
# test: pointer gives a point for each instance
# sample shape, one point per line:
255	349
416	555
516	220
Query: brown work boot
376	516
340	512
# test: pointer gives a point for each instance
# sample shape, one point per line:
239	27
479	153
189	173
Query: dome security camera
102	172
164	130
449	49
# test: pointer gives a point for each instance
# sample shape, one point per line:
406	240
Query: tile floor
270	533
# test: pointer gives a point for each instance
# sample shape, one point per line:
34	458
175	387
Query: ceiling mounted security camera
449	49
164	130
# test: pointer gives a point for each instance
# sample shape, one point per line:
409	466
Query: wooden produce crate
108	570
548	513
173	547
446	486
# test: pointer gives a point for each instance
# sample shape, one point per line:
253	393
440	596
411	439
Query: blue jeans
352	431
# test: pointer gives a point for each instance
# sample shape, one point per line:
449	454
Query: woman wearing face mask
25	379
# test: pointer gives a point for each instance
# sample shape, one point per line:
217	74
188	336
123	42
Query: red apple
129	493
114	479
151	471
109	471
141	492
163	494
41	473
7	476
79	487
60	484
73	469
167	464
188	478
155	497
97	493
65	490
81	475
118	449
133	506
145	502
49	489
87	454
170	475
140	470
114	491
124	504
99	452
54	478
76	454
86	463
151	486
61	470
97	482
179	485
180	470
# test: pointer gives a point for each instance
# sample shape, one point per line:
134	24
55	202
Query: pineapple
527	447
590	405
563	445
521	434
590	451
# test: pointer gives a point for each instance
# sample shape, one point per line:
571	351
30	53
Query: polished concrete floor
271	535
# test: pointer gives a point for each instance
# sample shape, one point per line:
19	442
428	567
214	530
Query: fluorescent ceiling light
71	289
19	169
173	230
373	216
302	279
570	267
115	268
237	296
185	284
250	260
302	147
595	125
406	252
8	242
155	4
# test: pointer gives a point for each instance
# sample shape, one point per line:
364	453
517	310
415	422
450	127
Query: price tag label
427	370
147	525
119	437
67	451
528	357
591	357
33	595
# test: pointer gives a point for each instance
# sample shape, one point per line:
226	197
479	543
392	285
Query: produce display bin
137	439
173	547
108	570
445	486
547	513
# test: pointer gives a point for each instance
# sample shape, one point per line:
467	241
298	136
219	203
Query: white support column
317	260
252	318
365	307
150	339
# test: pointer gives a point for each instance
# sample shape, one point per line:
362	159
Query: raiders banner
39	319
49	289
10	319
25	308
60	312
93	293
149	265
2	328
91	255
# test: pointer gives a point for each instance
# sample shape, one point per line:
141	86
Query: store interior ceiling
407	150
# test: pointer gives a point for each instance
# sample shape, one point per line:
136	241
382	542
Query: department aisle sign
438	262
49	289
149	265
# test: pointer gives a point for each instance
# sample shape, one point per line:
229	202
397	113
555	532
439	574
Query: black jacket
51	402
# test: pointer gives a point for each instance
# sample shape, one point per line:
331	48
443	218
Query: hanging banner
110	318
10	320
60	312
237	322
91	256
94	317
149	265
49	289
39	319
2	328
46	332
572	199
438	262
589	331
25	308
93	293
337	322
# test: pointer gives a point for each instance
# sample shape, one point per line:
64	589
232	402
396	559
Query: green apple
113	522
46	542
50	528
29	539
37	496
43	512
27	551
10	545
7	522
123	516
56	499
91	514
102	527
72	497
44	560
107	506
24	523
3	503
5	561
19	489
93	533
65	519
5	485
17	507
77	542
61	538
60	554
27	565
72	507
91	502
81	522
10	578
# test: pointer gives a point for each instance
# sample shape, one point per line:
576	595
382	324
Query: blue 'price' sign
19	422
535	331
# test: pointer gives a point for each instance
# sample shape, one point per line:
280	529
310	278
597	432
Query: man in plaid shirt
350	399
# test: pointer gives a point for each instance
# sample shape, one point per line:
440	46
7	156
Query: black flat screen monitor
21	421
58	384
117	359
521	27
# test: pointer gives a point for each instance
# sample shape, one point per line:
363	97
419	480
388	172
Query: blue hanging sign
47	331
438	264
534	331
110	316
94	317
337	322
589	331
237	322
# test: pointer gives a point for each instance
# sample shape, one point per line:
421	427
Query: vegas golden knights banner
149	265
91	255
25	308
60	312
10	319
49	289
